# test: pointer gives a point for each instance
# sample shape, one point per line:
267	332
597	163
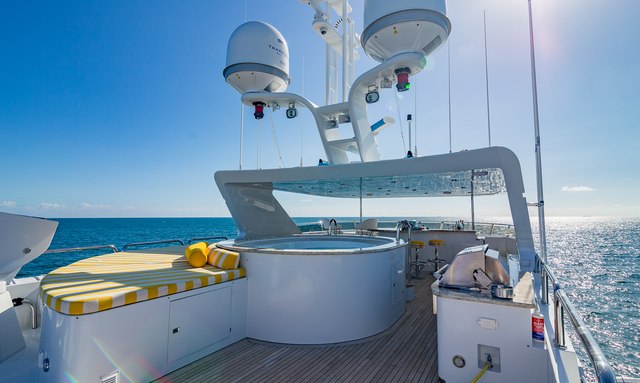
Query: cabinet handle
176	330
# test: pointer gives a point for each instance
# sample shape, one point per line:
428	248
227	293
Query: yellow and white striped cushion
107	281
224	259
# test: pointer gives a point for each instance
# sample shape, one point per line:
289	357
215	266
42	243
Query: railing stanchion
545	285
560	340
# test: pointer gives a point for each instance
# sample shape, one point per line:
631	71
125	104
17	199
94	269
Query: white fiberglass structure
322	289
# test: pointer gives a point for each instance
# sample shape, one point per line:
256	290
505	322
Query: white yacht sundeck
278	304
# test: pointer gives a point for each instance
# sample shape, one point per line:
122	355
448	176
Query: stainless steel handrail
190	241
563	304
600	364
152	243
128	245
71	249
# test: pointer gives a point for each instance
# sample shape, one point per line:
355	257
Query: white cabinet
198	321
137	340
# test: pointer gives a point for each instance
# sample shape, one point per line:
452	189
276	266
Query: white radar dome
393	27
257	59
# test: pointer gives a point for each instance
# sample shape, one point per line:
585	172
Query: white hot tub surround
322	289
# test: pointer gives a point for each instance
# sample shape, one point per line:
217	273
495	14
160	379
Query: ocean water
598	262
596	259
82	232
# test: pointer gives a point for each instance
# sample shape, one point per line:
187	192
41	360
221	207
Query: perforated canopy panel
447	184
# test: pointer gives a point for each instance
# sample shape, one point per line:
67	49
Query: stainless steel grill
475	267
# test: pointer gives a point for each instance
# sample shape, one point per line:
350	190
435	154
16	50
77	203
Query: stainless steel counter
522	294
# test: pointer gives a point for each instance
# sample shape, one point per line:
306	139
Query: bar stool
417	264
436	261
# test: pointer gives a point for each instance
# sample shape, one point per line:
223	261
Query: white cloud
50	206
577	189
88	206
8	204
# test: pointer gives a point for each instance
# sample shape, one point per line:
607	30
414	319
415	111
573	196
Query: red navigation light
259	112
403	79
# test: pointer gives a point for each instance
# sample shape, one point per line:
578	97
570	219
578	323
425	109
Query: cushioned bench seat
107	281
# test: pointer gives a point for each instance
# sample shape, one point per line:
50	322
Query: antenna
302	119
275	139
449	73
345	58
245	10
241	131
404	147
259	155
486	74
536	126
415	117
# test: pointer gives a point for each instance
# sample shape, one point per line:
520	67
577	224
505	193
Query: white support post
345	37
241	132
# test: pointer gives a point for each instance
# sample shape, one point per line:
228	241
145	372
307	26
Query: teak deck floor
406	352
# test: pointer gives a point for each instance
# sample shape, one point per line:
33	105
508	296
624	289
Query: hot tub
319	289
320	244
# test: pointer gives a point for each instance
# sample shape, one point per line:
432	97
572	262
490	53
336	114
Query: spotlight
292	112
372	97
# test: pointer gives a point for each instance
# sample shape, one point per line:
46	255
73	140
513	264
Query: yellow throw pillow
223	259
196	254
197	258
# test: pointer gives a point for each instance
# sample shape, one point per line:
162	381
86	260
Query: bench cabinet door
198	321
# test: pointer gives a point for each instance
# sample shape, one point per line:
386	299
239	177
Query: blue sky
118	109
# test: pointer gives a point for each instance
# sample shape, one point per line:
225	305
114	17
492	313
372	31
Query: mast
486	75
242	106
241	132
449	74
415	118
536	126
345	58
